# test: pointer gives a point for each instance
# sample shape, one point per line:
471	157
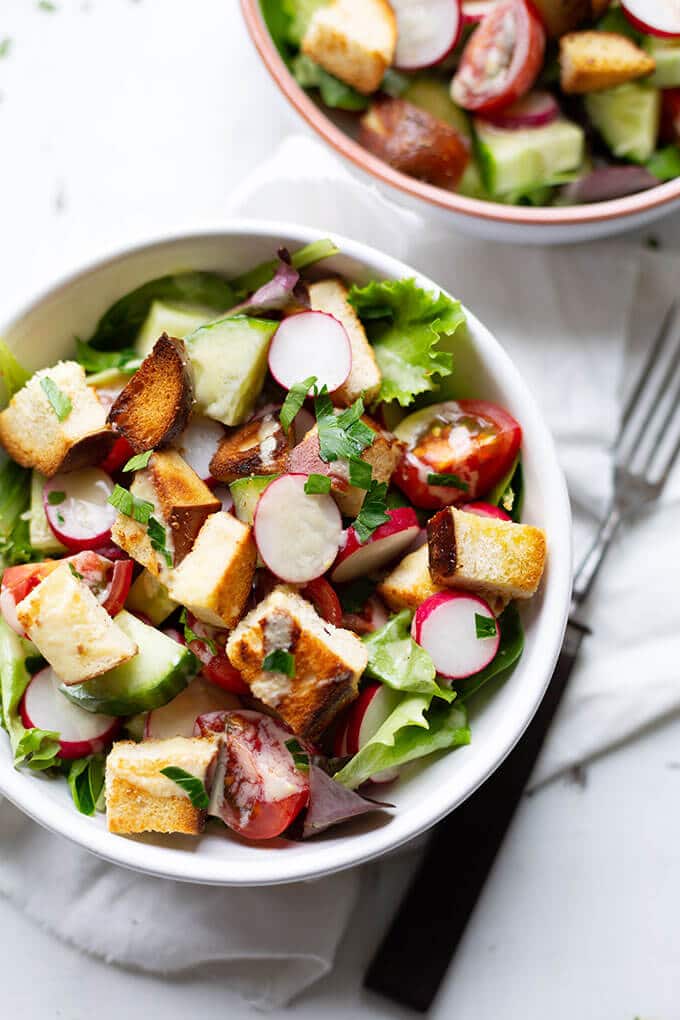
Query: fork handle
588	569
414	957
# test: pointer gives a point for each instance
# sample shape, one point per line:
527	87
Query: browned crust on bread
441	541
414	142
241	452
131	811
156	404
185	501
91	449
591	61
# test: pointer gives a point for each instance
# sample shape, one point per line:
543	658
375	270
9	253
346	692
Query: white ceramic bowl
43	332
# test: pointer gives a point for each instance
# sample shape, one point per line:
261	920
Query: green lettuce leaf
665	163
94	361
509	492
279	24
299	14
413	730
14	375
509	651
34	748
119	326
396	659
333	92
86	782
15	495
405	323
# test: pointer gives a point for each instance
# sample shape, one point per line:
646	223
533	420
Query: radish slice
297	534
660	17
198	444
427	31
177	718
77	508
304	422
419	541
311	343
385	544
446	626
533	110
81	733
475	11
8	608
486	510
373	706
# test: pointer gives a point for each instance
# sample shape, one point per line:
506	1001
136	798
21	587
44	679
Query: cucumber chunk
160	670
245	493
432	95
666	52
628	118
40	534
522	160
150	598
229	362
175	320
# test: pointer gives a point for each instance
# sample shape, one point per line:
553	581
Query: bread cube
354	40
364	378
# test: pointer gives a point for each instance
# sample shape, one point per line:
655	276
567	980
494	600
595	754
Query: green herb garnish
55	497
156	533
86	782
300	756
279	661
296	397
61	403
78	576
444	478
341	435
191	635
360	473
139	461
318	485
485	626
139	509
373	511
192	785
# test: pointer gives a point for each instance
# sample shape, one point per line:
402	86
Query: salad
256	555
524	102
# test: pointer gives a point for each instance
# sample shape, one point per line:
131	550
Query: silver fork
408	967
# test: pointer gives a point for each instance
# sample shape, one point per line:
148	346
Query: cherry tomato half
475	440
502	59
209	649
119	454
322	596
670	115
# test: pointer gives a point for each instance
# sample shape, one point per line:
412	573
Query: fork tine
667	435
648	365
647	399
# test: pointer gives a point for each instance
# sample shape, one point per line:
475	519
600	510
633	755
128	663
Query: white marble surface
119	119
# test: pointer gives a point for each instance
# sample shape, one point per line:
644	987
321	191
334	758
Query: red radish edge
385	544
645	26
311	343
486	510
456	651
81	521
368	705
533	110
90	732
475	11
281	530
417	50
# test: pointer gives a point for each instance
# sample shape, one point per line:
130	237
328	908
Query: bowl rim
273	868
473	208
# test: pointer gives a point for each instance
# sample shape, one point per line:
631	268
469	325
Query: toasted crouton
354	40
328	661
383	455
140	799
259	448
591	61
485	554
214	580
410	583
71	629
415	142
364	378
155	405
34	436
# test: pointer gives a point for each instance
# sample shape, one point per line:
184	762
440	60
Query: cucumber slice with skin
432	95
245	493
150	598
628	118
525	159
40	534
175	320
160	670
666	52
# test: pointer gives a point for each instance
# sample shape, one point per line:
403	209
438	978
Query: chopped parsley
294	401
279	661
373	512
78	576
300	756
60	401
192	786
485	626
191	635
60	518
139	461
156	533
360	473
318	485
139	509
340	435
453	481
55	497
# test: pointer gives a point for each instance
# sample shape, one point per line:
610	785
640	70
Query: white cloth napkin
564	315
